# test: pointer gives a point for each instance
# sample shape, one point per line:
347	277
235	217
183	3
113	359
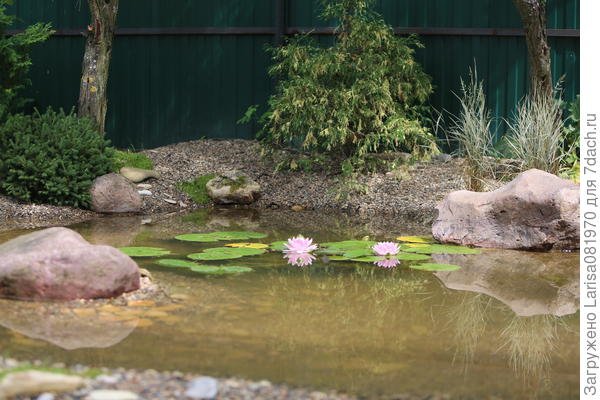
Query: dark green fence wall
167	88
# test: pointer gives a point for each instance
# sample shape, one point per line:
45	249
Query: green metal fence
185	69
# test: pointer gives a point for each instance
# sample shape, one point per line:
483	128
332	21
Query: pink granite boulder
59	264
535	211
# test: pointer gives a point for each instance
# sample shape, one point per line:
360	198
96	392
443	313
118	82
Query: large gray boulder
233	187
59	264
535	211
113	193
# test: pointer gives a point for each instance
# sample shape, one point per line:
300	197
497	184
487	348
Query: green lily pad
441	249
369	259
357	253
225	253
338	258
348	245
411	257
435	267
220	236
144	251
169	262
224	270
278	246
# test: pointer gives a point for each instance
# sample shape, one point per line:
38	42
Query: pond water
504	326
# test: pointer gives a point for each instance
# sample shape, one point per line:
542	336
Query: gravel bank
410	192
154	385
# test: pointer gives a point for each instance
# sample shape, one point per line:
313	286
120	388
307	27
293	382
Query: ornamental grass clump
471	129
363	95
536	133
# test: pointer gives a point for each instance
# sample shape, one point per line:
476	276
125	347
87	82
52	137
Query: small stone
108	379
33	383
170	201
145	186
202	388
145	192
45	396
112	395
112	193
442	158
297	208
138	174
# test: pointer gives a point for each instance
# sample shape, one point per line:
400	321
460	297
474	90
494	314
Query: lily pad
357	253
225	253
248	245
220	236
169	262
411	257
144	251
278	246
435	267
349	244
368	259
338	258
441	249
224	270
416	239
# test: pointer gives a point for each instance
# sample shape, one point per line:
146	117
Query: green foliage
536	133
196	189
51	158
364	95
570	147
15	61
471	130
131	159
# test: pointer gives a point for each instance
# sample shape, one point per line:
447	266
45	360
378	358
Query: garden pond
503	326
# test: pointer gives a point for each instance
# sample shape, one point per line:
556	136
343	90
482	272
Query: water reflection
388	263
67	327
299	259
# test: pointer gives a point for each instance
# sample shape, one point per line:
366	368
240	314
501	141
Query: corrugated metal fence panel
165	89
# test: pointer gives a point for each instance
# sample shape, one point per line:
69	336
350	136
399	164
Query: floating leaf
416	239
441	249
348	245
356	253
278	246
435	267
414	245
337	258
144	251
248	245
220	236
369	259
411	257
197	237
169	262
225	253
224	270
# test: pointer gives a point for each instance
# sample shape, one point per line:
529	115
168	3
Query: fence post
280	21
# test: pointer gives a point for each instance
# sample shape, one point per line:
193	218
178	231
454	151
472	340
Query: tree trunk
533	15
96	61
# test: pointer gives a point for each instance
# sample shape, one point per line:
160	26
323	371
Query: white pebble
202	388
112	395
145	193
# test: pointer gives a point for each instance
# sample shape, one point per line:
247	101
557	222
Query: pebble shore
411	191
154	385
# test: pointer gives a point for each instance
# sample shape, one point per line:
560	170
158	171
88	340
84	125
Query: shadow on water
504	326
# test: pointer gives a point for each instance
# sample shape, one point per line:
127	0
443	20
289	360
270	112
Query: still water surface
505	326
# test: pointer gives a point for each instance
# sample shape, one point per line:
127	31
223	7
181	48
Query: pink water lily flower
299	244
300	259
386	248
387	263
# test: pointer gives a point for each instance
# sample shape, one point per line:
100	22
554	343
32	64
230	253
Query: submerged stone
535	211
59	264
233	187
